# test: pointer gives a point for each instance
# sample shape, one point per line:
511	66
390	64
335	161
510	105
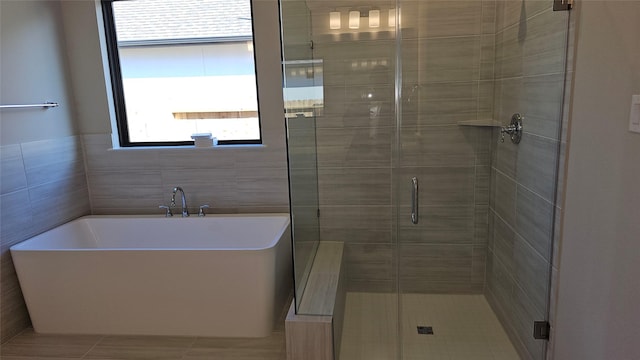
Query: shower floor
464	327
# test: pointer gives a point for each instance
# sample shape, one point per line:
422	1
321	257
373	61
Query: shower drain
425	330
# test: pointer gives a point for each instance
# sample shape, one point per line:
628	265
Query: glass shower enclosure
402	147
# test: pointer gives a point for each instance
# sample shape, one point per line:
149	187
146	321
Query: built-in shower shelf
480	122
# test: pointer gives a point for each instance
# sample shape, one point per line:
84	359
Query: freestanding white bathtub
226	276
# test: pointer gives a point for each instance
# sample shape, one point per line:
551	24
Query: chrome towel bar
46	105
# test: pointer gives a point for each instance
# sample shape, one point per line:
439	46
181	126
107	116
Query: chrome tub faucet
185	210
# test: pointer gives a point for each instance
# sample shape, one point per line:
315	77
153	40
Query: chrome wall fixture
45	105
414	200
514	129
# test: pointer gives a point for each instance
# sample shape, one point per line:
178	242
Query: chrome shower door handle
414	200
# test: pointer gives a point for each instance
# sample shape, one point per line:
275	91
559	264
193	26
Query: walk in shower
426	136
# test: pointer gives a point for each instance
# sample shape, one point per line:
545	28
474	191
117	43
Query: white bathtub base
229	293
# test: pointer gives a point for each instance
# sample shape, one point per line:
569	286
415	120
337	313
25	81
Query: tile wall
43	185
447	71
229	179
530	64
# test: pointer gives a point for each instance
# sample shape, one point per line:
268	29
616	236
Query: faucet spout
185	210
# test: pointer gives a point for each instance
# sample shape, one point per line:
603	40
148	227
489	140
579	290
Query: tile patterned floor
464	327
31	346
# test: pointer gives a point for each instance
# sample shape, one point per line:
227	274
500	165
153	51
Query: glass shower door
475	215
447	230
303	100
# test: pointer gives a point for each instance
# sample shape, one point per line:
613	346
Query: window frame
117	87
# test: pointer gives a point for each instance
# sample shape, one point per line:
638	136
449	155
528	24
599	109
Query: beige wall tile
534	221
356	224
12	171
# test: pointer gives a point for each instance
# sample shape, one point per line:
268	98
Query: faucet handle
168	212
201	211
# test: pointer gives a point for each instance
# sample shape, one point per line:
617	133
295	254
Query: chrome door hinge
562	5
541	330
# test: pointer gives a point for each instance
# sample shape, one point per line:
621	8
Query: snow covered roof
140	21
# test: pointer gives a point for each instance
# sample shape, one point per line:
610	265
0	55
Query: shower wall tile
43	186
355	101
489	16
356	224
440	185
304	186
524	315
503	243
445	91
530	65
12	174
534	221
509	52
533	7
335	51
354	147
370	262
505	156
449	18
478	267
359	120
544	51
447	72
443	270
301	144
485	100
433	263
437	146
536	165
531	274
543	104
375	286
499	290
354	186
509	12
504	196
483	144
441	103
447	59
422	286
510	99
481	225
444	112
482	185
488	51
438	225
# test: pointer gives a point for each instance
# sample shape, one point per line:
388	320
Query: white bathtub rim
23	245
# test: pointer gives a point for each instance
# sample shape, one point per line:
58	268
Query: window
180	67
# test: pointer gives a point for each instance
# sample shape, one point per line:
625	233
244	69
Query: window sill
188	147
